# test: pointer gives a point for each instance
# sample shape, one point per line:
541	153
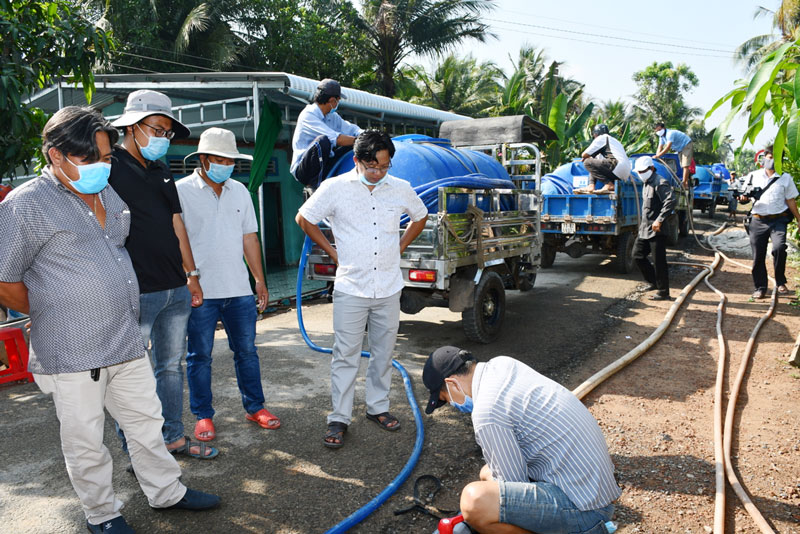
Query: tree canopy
660	94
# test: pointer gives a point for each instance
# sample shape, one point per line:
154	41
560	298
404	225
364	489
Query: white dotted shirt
366	228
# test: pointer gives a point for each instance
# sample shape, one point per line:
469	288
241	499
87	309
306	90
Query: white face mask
661	133
645	175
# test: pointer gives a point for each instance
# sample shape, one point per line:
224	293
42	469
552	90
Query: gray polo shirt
83	293
531	428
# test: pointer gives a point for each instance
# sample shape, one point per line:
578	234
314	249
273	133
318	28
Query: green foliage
660	96
40	42
704	151
395	29
744	161
772	91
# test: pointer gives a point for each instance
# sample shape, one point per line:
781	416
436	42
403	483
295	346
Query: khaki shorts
686	155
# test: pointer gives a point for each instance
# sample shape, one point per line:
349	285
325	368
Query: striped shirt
533	429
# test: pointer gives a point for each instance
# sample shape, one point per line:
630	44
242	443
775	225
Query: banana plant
774	91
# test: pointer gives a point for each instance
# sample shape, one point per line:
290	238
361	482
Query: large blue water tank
420	159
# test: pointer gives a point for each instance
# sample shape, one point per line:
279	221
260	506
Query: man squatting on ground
547	464
160	251
606	160
363	208
658	203
64	262
774	208
321	135
221	222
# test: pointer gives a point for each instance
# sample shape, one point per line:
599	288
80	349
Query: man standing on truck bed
363	208
606	160
680	143
658	203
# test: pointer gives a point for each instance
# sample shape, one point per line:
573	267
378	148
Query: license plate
568	228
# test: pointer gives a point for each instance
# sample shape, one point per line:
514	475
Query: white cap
144	103
218	142
643	163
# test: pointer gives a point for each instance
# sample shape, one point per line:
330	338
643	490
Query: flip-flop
186	449
336	430
205	426
264	418
388	419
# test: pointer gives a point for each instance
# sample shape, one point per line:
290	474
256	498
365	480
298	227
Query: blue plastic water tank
420	159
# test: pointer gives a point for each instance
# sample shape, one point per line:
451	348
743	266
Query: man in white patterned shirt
547	464
363	208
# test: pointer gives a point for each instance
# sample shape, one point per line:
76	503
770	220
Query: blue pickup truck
579	224
707	189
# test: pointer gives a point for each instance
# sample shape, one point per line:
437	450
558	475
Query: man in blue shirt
321	135
680	143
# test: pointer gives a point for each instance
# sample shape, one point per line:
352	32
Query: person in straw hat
221	222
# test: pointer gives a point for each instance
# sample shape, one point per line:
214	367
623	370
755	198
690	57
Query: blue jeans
162	320
238	316
545	509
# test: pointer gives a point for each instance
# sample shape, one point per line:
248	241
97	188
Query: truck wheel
548	255
712	209
683	223
624	261
673	233
483	320
526	281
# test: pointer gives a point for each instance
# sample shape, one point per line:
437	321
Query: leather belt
775	216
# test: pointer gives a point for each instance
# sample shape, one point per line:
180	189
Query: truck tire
672	231
683	223
548	255
482	321
624	260
526	281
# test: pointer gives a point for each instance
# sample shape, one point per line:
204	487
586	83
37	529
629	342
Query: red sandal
204	430
264	419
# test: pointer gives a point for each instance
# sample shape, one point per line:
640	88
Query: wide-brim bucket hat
219	142
142	104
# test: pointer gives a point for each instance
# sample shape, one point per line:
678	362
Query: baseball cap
643	163
144	103
442	363
219	142
330	87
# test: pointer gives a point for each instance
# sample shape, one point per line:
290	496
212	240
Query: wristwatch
196	273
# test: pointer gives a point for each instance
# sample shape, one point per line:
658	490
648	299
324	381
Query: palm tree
399	28
785	20
459	85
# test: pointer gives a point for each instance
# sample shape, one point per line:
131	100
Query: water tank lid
493	130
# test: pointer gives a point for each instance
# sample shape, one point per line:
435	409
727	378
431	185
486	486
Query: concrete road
285	481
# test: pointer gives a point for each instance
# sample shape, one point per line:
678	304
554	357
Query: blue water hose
363	512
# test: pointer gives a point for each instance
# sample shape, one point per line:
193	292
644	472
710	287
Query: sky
603	43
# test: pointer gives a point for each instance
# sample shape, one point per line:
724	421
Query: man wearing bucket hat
321	135
160	251
221	223
547	464
658	203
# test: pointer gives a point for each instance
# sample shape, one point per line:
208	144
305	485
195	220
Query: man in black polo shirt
160	251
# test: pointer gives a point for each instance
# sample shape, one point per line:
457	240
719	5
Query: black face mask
769	164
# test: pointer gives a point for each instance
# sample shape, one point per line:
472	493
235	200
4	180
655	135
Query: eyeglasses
161	132
377	170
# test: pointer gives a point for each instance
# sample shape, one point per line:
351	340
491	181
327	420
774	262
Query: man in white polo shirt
774	207
220	219
363	208
547	464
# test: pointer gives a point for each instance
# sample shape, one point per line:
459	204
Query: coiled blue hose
362	513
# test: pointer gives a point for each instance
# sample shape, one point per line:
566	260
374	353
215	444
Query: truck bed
593	214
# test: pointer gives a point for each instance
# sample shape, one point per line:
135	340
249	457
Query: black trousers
600	169
658	275
317	161
761	231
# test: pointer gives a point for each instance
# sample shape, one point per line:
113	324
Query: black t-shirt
151	195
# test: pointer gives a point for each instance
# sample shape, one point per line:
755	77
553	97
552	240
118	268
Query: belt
774	216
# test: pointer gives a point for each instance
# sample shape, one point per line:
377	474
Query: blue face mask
218	173
155	148
335	108
465	407
363	178
93	177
